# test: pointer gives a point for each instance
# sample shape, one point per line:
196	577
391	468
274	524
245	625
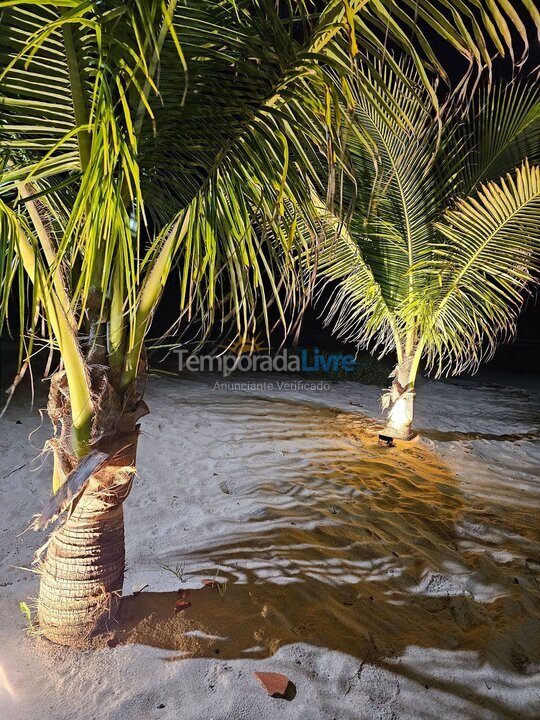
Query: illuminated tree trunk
82	573
399	401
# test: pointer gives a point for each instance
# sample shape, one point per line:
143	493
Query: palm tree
141	137
438	243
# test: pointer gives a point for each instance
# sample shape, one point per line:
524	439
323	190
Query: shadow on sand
361	549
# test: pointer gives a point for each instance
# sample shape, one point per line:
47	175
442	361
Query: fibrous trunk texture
399	401
83	571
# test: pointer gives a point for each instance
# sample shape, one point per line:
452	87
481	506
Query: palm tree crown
435	250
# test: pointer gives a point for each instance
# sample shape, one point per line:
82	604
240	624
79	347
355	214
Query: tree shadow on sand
361	549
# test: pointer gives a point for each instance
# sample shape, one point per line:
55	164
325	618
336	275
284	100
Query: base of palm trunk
82	573
405	433
398	400
82	576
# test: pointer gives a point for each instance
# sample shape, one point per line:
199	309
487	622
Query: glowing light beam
5	686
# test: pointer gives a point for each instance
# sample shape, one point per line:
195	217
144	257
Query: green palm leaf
387	226
490	256
498	130
354	305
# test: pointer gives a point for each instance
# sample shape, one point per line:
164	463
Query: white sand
386	583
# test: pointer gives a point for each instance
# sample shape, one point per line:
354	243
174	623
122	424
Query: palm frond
392	224
487	261
223	166
369	262
478	30
353	302
501	128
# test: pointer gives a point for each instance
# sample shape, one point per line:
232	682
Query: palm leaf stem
417	357
77	377
150	294
116	321
48	250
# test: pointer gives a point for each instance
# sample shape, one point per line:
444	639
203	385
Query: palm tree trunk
399	401
82	573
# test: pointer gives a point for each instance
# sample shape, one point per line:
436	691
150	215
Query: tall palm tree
438	243
137	137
